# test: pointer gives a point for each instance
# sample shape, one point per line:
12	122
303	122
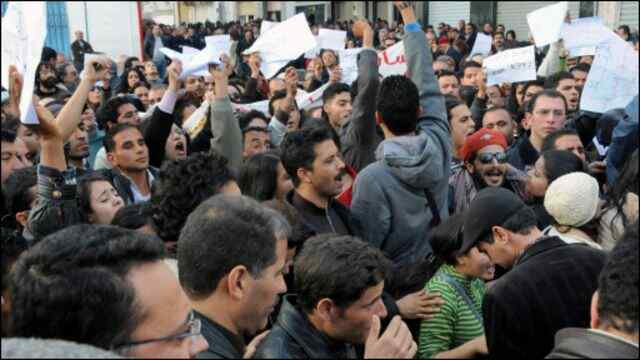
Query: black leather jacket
294	337
222	343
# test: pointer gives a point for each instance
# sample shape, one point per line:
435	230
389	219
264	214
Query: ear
379	119
595	318
419	111
500	235
325	308
22	218
112	159
303	175
238	282
526	121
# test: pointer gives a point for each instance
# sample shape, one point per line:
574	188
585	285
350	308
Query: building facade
512	14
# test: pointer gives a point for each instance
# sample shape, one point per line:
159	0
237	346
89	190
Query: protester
613	330
573	201
263	178
504	228
124	272
79	48
233	279
456	330
14	154
499	119
339	282
449	83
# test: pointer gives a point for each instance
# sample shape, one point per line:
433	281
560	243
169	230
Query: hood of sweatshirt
414	160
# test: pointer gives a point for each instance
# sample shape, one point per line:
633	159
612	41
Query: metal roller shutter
629	14
448	12
514	14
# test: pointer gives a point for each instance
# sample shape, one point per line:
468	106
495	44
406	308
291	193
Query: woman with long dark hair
621	205
130	77
263	177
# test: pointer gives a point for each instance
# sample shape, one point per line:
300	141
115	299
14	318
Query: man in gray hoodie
390	206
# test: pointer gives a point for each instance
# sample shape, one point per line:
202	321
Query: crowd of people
421	215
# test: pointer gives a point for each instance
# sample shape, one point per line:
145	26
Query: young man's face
78	143
264	292
494	96
470	75
462	125
353	324
490	166
12	159
499	120
531	92
327	170
568	88
256	142
131	153
128	114
498	40
167	311
547	117
449	85
581	77
339	109
571	143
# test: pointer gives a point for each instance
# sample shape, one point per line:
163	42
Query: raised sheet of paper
583	35
194	61
308	101
349	64
266	25
24	29
332	39
511	66
284	42
392	61
546	24
221	44
613	79
262	106
196	122
482	45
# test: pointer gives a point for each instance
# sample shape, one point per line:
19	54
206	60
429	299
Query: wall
112	26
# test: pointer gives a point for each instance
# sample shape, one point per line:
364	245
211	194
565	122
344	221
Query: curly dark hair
123	85
183	185
65	285
618	285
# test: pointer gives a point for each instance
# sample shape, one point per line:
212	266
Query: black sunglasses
487	158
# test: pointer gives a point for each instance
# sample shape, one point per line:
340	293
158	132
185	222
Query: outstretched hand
395	343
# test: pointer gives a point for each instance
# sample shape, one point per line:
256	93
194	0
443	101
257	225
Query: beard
481	183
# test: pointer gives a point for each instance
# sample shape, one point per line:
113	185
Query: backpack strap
456	285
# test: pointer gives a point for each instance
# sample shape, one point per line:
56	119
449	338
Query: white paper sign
307	101
613	79
545	24
583	35
262	106
193	62
221	44
332	39
349	64
197	121
266	25
392	61
24	29
482	45
511	66
284	42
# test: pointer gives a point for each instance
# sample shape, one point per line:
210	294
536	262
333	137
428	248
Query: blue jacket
389	207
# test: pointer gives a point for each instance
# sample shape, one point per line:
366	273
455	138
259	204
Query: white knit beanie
573	199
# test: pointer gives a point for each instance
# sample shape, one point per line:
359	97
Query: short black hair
618	285
299	231
108	113
298	149
558	163
398	103
450	103
468	65
280	94
8	136
446	239
183	185
537	82
553	81
224	232
549	142
498	33
521	222
553	94
108	140
17	194
584	67
340	268
245	119
13	245
333	90
76	276
133	216
258	177
443	73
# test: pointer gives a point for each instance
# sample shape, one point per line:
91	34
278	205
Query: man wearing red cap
485	165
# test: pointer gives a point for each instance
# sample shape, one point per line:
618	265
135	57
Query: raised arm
420	70
227	136
70	115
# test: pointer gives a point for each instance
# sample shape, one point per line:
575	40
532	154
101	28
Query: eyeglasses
128	115
195	327
487	158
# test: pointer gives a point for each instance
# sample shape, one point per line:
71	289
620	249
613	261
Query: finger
393	328
404	337
374	332
412	351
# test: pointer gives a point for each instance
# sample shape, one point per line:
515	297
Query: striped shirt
455	323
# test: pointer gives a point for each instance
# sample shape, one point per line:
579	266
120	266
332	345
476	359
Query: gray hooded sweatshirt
389	207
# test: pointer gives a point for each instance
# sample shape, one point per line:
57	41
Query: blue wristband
412	27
